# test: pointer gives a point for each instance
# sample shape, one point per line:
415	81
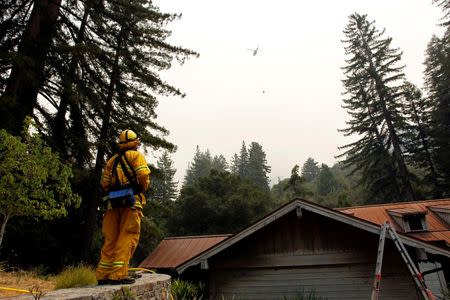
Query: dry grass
76	277
23	280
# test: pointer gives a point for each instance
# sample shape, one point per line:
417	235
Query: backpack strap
114	168
131	180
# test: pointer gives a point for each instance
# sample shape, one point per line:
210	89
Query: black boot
103	282
126	280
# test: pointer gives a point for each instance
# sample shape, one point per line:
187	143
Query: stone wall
148	287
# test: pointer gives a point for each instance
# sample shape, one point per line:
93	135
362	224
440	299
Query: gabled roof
172	251
438	229
299	205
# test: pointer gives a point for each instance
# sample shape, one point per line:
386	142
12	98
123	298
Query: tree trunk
27	74
90	208
408	192
67	97
380	87
392	171
3	228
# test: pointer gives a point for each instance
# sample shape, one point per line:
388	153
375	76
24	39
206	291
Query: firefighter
121	225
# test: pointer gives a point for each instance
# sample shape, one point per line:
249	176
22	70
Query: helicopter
255	51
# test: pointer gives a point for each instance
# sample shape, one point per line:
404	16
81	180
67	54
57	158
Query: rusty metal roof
438	230
173	251
407	211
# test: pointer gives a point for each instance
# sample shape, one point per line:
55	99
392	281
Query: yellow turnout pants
121	229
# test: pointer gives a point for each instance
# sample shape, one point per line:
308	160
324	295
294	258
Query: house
303	247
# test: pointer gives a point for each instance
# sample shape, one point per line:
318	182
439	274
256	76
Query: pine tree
257	168
200	167
98	68
78	67
310	169
295	183
235	163
164	186
243	161
437	84
374	103
419	143
326	183
219	163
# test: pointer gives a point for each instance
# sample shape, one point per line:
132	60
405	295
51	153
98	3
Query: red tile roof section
438	229
173	251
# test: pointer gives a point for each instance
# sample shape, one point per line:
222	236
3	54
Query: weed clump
75	277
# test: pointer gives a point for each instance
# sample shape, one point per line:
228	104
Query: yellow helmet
128	139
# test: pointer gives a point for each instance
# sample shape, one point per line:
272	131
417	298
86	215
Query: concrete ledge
148	287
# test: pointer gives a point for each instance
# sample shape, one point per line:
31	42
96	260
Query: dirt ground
23	281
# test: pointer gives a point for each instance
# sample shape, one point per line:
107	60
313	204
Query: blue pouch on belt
122	197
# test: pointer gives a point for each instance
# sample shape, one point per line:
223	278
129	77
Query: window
409	219
416	222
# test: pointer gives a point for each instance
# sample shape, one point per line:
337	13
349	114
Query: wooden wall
293	254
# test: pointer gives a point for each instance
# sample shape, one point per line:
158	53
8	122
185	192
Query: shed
303	247
171	252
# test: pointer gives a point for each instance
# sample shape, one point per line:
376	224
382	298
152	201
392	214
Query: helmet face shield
128	139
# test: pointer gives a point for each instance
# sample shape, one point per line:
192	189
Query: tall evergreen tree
295	183
326	183
373	88
97	72
437	84
235	163
419	143
310	169
219	163
200	167
257	168
164	186
243	161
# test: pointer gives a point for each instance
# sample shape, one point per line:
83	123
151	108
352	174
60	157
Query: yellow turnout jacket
138	163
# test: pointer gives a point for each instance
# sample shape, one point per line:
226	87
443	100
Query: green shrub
75	277
184	290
